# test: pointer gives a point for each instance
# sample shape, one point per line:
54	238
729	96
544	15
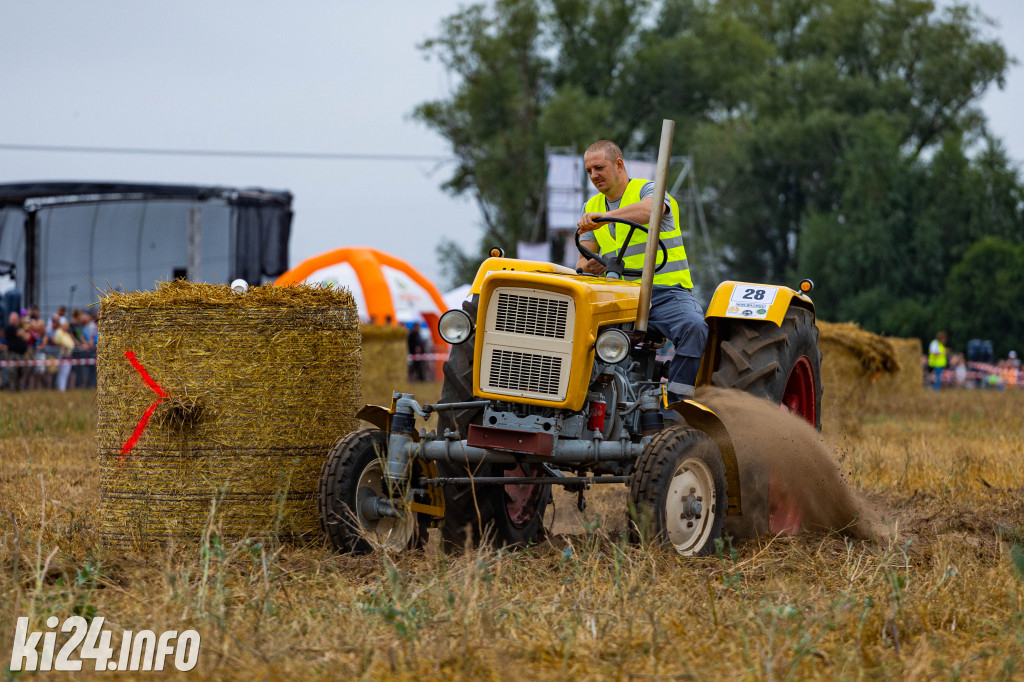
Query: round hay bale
385	364
851	361
216	409
909	380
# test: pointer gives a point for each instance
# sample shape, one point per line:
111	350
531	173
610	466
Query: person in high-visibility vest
675	313
937	357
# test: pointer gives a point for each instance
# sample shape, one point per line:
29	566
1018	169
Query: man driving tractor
675	313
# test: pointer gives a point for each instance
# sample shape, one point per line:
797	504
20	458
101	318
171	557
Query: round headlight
455	326
612	346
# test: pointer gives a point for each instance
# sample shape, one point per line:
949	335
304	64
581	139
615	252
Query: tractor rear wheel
513	514
353	473
509	515
679	492
781	363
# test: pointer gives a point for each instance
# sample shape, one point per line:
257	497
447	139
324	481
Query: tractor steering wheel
614	265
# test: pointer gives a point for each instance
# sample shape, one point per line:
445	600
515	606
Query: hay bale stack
385	366
909	380
852	360
247	393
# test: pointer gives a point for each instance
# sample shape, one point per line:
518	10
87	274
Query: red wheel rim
799	396
521	498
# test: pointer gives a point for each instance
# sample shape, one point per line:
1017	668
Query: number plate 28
751	301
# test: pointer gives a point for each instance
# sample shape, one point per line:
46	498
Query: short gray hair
610	149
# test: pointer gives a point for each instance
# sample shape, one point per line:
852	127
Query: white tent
454	298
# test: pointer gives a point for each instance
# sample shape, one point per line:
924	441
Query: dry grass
945	600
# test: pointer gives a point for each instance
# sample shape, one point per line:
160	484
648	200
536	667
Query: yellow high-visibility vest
677	271
937	359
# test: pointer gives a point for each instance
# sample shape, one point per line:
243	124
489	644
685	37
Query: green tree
492	119
831	136
835	68
983	294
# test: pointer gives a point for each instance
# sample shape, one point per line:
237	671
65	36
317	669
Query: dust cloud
789	480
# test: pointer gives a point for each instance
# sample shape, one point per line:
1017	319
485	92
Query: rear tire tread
757	356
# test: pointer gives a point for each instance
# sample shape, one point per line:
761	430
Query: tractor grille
517	371
518	314
527	343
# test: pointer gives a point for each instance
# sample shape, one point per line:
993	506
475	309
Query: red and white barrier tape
948	376
47	363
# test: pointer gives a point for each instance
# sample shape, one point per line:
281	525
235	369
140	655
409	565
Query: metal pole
195	231
668	128
32	286
712	261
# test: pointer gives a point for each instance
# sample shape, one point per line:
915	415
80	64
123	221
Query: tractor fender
703	418
380	417
747	301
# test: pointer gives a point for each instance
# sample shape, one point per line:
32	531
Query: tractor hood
536	328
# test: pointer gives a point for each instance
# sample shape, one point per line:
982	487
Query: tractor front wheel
678	492
350	478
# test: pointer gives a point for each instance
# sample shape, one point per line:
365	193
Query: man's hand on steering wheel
592	267
612	262
587	222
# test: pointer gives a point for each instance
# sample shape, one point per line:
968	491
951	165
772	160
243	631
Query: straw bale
851	360
258	387
910	379
384	357
858	366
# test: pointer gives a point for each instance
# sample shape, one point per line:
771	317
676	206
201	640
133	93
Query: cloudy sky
335	77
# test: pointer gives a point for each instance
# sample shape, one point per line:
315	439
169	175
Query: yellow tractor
553	379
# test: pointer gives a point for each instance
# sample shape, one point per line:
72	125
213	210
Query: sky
320	76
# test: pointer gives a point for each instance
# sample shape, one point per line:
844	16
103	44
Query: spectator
937	358
994	379
428	348
1009	373
16	338
87	350
55	321
959	369
37	346
89	330
415	344
63	338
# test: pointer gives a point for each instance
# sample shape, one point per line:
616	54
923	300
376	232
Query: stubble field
943	599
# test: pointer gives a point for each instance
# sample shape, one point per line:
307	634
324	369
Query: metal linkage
565	452
443	407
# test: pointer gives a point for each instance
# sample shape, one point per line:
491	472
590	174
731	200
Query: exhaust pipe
668	128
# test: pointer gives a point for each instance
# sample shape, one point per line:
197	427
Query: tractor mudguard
703	418
749	301
377	415
380	417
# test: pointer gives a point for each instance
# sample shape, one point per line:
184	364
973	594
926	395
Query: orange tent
387	290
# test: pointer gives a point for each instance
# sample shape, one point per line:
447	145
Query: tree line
839	140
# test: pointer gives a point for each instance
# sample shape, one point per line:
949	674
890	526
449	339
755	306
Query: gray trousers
676	315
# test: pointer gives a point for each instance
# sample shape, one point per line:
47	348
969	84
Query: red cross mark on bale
156	388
